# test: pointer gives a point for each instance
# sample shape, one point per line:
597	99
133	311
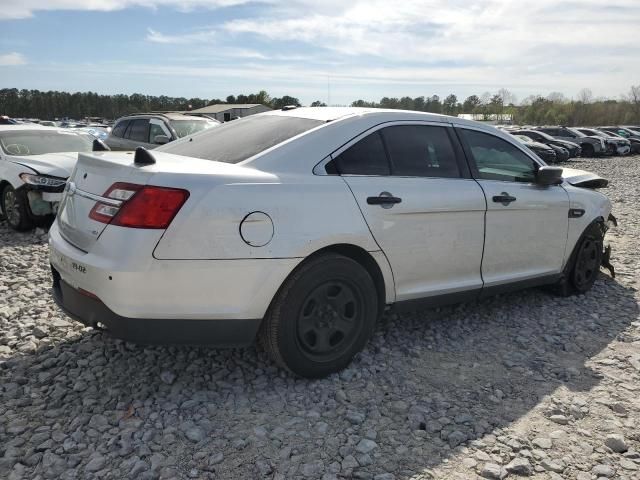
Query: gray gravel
523	384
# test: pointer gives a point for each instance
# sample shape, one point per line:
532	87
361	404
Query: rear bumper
92	312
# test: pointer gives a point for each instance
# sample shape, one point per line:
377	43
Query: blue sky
329	50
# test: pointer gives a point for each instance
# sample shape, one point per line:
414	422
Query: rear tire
323	315
588	150
584	265
15	207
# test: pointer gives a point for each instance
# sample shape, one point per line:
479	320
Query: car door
115	138
137	134
422	207
526	223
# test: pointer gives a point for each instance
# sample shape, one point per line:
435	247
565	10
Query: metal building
229	111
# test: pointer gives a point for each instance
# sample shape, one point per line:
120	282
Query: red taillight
143	206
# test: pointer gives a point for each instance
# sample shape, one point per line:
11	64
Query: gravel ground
522	384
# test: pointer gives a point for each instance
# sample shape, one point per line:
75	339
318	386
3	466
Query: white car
301	226
35	162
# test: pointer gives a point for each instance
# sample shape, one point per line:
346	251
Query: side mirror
99	145
549	176
161	139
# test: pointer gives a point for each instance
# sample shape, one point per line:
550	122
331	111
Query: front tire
323	315
584	265
15	207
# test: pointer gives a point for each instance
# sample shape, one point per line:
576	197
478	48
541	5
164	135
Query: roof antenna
143	157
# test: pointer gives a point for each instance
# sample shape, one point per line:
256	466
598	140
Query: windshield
233	142
546	136
524	138
577	132
37	142
189	127
593	132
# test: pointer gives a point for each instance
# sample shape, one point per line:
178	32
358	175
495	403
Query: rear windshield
37	142
235	141
189	127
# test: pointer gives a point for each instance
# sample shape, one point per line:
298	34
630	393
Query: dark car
624	132
592	146
616	144
545	152
541	137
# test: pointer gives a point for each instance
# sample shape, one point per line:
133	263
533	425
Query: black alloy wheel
330	317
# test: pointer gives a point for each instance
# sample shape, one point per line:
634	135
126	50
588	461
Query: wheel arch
375	263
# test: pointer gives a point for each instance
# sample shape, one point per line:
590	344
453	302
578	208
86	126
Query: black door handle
383	200
504	198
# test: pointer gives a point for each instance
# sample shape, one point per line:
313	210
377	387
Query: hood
584	179
54	164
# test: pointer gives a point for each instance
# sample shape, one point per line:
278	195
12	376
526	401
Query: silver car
155	129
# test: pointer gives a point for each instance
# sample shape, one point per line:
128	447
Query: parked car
97	132
4	120
621	131
301	226
616	145
152	130
541	137
545	152
591	146
35	162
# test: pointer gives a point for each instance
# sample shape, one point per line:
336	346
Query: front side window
420	151
497	159
365	157
154	131
138	131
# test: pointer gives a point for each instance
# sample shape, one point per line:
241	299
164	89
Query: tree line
53	104
535	109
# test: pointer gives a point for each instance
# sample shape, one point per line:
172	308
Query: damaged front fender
606	256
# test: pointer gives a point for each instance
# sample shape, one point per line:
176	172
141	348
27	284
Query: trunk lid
93	175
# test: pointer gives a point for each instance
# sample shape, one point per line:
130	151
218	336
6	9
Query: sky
334	51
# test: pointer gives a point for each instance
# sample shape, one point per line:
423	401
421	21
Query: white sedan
35	162
301	226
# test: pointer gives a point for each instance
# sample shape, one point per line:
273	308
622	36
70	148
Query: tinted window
236	141
497	159
366	157
119	129
138	130
420	151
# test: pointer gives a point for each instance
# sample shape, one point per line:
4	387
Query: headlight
602	143
42	180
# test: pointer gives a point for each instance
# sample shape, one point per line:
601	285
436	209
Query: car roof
331	114
169	115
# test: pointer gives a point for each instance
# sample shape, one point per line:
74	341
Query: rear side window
119	129
497	159
366	157
138	130
239	140
421	151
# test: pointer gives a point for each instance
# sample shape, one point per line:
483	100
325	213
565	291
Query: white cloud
13	58
13	9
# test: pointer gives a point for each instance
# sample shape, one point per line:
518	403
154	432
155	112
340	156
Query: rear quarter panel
308	213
